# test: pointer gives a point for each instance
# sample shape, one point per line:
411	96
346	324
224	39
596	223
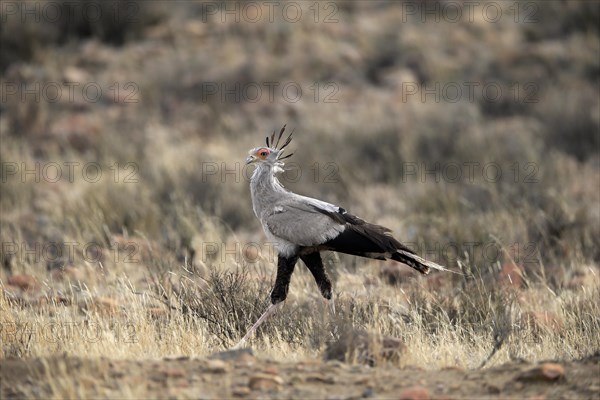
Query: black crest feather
271	141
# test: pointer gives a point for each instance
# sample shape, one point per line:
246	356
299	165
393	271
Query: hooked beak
250	159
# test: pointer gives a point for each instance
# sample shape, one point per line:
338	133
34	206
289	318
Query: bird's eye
264	154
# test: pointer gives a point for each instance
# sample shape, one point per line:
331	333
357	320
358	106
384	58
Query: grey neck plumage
265	189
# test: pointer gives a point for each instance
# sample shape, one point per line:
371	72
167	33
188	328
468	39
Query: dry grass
170	271
182	313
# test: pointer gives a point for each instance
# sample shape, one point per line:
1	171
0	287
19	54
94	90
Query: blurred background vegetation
169	129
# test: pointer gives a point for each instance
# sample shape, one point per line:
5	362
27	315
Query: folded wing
310	222
300	220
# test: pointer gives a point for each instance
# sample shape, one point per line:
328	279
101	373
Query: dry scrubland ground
172	270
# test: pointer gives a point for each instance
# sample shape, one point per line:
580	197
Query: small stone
335	364
369	392
174	373
271	371
176	358
453	368
362	381
295	380
415	393
493	389
240	391
548	372
553	371
74	74
320	379
216	366
264	382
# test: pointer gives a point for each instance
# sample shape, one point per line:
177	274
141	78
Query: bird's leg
270	310
331	305
285	268
315	265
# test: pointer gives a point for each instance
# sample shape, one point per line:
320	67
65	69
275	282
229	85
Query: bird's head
271	154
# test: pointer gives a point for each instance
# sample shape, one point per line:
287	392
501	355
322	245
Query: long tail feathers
414	261
362	239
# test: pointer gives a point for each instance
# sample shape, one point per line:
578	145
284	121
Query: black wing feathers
361	238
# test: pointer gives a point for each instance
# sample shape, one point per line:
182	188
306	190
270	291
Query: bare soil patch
244	375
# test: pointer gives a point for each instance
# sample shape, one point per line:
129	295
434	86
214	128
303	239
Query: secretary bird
302	227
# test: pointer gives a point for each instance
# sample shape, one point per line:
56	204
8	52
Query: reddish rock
415	393
23	282
104	305
174	373
264	382
547	372
271	371
552	371
216	367
511	275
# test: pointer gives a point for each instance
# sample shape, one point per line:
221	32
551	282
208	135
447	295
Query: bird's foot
270	310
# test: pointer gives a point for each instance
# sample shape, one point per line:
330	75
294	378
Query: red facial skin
262	153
